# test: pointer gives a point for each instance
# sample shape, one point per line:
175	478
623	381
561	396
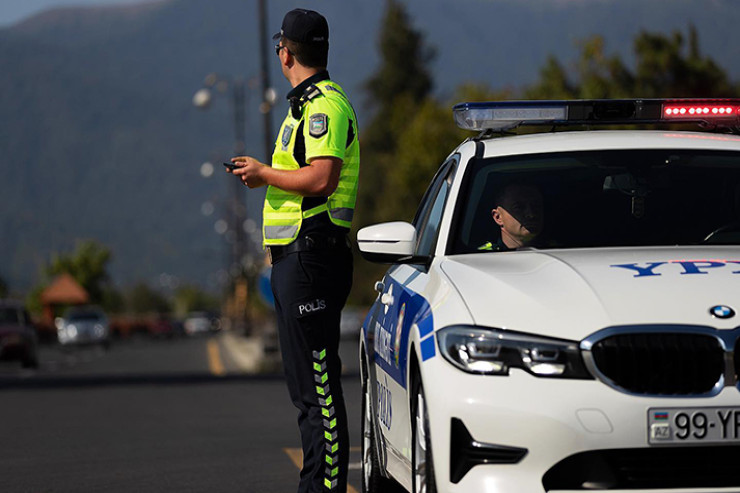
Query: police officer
312	188
520	216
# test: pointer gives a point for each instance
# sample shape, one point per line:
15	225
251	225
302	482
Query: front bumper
552	420
83	335
14	346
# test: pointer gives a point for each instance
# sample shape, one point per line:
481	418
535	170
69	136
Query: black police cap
304	26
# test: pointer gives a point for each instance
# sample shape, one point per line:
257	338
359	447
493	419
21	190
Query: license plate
693	425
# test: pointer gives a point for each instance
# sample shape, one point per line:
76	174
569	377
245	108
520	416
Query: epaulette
297	103
311	92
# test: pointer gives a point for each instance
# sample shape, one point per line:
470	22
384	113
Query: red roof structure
63	290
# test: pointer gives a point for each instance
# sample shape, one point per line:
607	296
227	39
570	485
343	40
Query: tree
189	298
142	299
401	80
87	264
399	87
428	137
664	67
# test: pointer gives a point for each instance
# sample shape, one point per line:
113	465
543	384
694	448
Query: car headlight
71	331
490	351
99	330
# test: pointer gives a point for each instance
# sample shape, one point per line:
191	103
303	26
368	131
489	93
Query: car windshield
8	316
604	198
84	316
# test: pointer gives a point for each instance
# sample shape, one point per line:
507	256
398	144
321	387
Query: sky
12	11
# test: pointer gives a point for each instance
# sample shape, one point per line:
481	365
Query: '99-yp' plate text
693	425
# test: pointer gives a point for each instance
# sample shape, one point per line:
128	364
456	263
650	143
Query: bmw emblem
722	311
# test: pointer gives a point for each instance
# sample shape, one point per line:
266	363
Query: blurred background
137	340
115	116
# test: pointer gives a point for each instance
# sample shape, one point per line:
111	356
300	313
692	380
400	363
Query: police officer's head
519	212
305	34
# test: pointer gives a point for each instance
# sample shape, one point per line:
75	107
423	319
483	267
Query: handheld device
230	166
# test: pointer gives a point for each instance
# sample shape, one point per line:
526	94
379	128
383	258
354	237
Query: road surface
148	415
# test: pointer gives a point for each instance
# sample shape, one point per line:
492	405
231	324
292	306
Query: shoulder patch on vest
318	124
285	138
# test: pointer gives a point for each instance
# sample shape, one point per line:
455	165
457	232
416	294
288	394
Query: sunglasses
279	47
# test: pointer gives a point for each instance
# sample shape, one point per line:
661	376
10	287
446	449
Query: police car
598	353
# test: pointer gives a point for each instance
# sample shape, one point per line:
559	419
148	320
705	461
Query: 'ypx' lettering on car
685	267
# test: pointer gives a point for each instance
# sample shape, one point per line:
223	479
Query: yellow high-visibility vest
327	122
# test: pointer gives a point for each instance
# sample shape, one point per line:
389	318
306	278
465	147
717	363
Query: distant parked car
84	325
164	326
201	323
18	338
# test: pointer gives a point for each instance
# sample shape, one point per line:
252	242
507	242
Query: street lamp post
237	210
268	93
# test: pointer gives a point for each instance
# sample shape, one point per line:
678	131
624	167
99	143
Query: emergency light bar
503	115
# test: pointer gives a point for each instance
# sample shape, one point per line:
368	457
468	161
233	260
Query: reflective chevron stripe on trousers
310	289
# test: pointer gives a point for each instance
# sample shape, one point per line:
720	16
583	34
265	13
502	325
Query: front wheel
423	465
373	480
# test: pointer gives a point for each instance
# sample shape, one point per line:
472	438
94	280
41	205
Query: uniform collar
298	90
501	246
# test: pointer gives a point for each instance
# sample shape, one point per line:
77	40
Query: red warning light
690	111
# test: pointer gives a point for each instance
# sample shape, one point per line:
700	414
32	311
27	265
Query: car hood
573	293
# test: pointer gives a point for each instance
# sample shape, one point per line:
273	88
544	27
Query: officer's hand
249	171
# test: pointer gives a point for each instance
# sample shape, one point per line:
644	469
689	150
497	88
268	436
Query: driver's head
519	213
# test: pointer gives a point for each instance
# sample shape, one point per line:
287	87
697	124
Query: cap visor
276	36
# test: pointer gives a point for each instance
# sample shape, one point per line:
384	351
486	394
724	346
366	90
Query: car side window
430	217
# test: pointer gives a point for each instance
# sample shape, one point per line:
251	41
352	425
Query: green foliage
142	299
664	67
402	76
397	92
87	264
664	70
113	301
33	300
398	87
189	298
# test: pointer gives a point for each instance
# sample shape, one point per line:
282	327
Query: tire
421	451
373	480
30	360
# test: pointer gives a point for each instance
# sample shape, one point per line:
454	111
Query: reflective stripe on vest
282	214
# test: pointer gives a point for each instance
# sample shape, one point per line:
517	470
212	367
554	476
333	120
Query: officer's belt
308	243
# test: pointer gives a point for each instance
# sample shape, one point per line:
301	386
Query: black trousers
311	288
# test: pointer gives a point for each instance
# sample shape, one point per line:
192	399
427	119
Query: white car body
83	326
571	294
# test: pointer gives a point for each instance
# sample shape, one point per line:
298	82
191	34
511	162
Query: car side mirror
392	242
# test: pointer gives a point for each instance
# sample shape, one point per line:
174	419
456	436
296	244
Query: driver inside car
519	214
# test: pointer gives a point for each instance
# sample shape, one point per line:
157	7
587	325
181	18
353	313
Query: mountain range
99	138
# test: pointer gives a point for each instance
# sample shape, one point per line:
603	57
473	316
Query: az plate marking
693	425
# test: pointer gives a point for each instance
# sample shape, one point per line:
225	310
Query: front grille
660	363
624	469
